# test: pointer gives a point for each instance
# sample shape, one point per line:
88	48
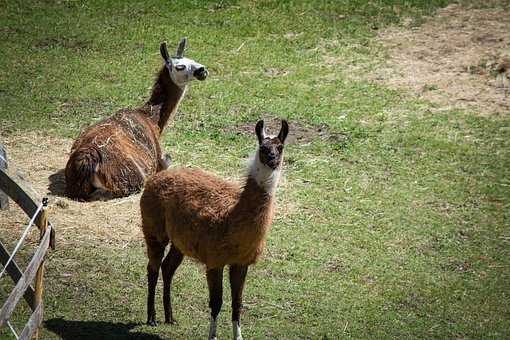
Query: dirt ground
459	58
299	134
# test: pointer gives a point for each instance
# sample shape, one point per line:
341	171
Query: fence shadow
92	330
57	186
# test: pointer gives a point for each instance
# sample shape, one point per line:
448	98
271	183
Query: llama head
270	151
182	70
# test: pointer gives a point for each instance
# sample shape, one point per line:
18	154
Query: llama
114	157
214	221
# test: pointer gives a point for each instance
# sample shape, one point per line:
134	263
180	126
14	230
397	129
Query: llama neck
263	176
254	209
168	95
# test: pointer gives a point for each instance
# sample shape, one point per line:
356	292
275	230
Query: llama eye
180	67
280	148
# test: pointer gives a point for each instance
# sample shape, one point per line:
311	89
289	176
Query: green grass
400	230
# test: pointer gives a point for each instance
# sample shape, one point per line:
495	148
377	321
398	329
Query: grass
399	230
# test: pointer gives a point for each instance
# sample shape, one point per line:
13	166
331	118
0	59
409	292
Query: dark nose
271	157
272	162
200	73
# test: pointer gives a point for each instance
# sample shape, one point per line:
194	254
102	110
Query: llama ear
284	131
181	47
164	53
259	130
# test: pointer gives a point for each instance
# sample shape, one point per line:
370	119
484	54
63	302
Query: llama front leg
169	266
215	284
237	274
155	252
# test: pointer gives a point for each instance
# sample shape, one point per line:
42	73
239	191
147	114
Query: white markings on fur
212	329
141	171
182	71
236	330
265	177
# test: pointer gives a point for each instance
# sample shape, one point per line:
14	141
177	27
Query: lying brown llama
113	157
214	221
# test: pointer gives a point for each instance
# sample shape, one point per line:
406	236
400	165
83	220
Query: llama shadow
57	186
92	330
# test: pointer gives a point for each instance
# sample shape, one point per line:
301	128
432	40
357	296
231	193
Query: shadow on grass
89	330
57	186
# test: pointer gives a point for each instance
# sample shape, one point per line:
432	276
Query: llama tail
80	170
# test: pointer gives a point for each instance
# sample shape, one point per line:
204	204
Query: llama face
182	70
270	151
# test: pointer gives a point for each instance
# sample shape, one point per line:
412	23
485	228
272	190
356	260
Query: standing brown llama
214	221
113	157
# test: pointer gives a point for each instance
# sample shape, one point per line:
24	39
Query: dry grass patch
458	59
41	160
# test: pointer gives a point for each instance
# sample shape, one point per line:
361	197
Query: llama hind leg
155	252
170	264
215	284
101	192
100	195
237	275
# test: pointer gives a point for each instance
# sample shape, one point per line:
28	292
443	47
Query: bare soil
299	134
459	58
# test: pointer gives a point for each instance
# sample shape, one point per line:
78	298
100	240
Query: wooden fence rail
4	199
15	273
20	191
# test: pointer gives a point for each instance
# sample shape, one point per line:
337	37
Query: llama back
116	154
134	126
195	191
